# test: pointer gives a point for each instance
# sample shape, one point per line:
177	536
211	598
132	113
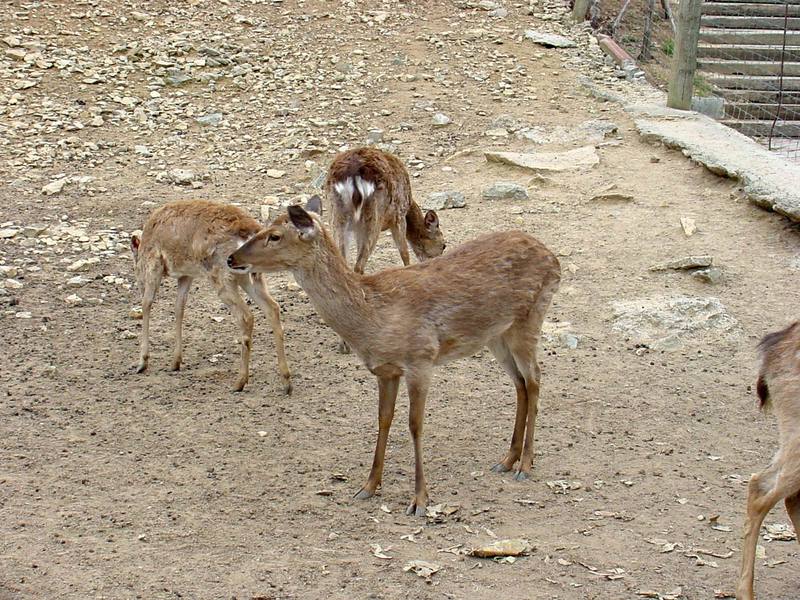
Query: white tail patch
347	188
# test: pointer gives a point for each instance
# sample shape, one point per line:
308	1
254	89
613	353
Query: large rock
548	40
663	322
549	162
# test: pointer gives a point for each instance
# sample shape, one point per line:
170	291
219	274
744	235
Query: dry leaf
379	552
510	547
422	568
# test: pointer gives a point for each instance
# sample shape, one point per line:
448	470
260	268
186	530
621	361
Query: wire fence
748	60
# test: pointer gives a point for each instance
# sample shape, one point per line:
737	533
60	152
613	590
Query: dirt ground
169	485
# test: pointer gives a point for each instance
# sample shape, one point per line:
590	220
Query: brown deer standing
778	387
370	192
188	239
403	322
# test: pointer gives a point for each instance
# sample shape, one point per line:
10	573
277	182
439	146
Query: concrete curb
768	180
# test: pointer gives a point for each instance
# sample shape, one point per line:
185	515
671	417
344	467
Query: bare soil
117	485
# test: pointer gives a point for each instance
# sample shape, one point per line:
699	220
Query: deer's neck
337	293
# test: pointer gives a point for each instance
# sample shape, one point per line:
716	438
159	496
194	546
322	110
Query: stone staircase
739	55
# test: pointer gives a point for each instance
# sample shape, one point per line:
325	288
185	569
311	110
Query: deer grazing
370	192
403	322
188	239
778	387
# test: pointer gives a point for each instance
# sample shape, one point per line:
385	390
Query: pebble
440	120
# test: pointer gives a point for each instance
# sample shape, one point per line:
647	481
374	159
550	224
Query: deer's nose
230	261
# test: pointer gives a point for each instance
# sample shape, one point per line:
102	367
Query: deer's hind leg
152	280
184	285
255	286
228	291
399	237
503	355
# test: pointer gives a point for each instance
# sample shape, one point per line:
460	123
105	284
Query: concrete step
745	22
783	129
785	112
747	52
760	96
746	82
748	67
753	37
749	9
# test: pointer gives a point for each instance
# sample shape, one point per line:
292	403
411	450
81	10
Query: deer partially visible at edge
778	388
493	291
189	239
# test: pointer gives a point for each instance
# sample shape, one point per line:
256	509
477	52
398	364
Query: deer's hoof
500	468
287	387
343	347
522	475
363	494
175	366
417	509
239	385
141	367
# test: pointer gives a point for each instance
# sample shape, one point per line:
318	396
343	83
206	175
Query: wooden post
579	10
684	62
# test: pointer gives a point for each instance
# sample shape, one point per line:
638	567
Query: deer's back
477	289
184	234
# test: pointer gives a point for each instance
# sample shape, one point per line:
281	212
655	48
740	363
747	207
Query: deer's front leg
417	393
387	395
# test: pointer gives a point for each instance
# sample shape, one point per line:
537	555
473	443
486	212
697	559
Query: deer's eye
274	238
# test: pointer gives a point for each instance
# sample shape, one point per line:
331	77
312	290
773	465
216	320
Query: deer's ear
431	220
314	204
135	243
302	221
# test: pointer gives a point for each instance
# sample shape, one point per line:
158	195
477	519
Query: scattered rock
212	119
275	173
78	281
662	322
549	40
505	190
612	197
375	136
711	275
8	233
12	284
83	264
142	151
555	162
444	200
440	120
54	187
685	263
73	300
688	225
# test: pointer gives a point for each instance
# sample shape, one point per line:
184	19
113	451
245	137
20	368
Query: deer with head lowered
370	192
778	387
189	239
403	322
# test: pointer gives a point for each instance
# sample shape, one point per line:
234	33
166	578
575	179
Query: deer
777	387
370	192
189	239
403	322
